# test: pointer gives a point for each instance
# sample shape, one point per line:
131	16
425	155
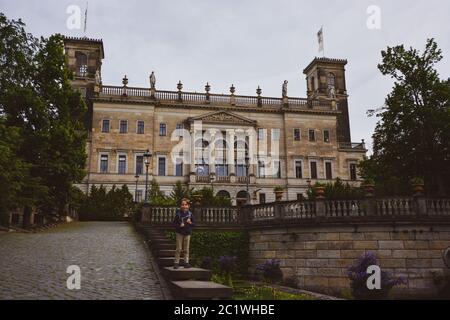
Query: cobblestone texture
113	259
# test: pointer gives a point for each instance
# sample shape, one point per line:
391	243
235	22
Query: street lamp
135	189
147	156
247	166
309	187
212	178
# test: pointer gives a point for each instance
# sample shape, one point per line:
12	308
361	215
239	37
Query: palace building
241	146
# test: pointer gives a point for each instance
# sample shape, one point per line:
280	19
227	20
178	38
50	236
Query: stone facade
318	257
293	119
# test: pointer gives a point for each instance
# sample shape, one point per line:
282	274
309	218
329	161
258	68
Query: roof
324	60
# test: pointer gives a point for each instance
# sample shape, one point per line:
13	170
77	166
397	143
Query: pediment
223	117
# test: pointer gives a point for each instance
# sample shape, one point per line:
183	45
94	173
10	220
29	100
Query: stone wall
318	257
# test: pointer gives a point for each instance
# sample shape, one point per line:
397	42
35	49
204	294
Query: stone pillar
230	154
192	173
212	152
145	217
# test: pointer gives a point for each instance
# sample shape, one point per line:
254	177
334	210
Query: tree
412	137
38	103
180	191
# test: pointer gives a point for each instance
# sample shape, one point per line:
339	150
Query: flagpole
323	42
85	18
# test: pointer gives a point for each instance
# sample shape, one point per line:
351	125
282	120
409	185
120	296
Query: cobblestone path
113	260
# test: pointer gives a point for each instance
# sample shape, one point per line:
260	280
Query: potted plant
279	190
418	185
320	190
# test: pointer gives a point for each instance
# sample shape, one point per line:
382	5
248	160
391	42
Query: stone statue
284	89
98	78
331	91
152	80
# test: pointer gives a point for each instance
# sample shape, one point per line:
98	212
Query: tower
325	80
84	58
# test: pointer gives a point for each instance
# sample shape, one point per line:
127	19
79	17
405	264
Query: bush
106	205
211	245
358	276
271	271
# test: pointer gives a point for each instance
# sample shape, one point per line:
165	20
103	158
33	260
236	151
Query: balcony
134	93
353	146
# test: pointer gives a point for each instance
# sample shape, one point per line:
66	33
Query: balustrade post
320	206
420	203
369	201
145	217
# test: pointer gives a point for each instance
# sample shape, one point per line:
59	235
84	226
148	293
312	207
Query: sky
248	42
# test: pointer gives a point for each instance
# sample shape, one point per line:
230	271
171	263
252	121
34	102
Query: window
261	133
161	166
221	168
123	126
139	165
104	163
353	171
297	134
140	127
241	170
299	197
261	169
262	198
277	169
138	196
179	168
326	135
312	135
298	170
276	134
179	129
328	171
313	84
105	126
82	64
313	165
331	79
122	168
162	129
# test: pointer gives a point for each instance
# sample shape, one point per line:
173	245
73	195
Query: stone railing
317	211
211	99
203	216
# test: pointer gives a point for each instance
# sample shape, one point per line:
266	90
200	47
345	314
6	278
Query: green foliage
218	243
106	205
336	190
208	199
42	118
180	191
268	293
412	136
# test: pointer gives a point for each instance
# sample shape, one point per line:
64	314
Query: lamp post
147	156
309	187
135	189
212	178
247	166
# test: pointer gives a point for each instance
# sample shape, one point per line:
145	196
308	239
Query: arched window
223	194
82	64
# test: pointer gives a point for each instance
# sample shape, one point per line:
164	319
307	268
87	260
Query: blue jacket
181	216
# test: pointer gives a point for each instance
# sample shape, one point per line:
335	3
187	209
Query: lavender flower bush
271	270
206	263
358	276
227	264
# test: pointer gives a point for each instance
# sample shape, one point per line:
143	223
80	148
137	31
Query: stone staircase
191	283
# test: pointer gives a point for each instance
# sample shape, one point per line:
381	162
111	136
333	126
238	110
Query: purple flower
227	263
271	270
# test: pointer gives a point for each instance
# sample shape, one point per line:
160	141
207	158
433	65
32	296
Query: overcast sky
247	43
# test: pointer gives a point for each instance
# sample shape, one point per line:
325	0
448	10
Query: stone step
165	261
171	246
158	239
161	241
187	274
195	289
165	253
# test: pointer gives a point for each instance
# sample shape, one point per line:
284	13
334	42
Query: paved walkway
113	260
